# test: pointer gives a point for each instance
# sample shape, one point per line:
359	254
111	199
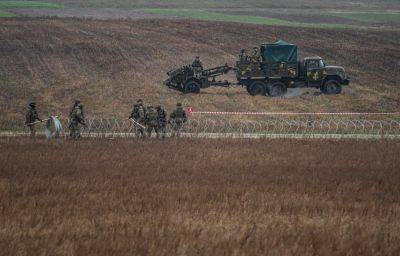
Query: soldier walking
151	121
177	119
161	120
31	118
139	115
76	117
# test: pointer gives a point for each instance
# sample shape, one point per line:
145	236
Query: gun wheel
191	87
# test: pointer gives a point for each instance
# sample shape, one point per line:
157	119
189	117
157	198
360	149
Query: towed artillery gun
276	70
185	79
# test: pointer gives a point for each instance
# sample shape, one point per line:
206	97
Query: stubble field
199	197
109	64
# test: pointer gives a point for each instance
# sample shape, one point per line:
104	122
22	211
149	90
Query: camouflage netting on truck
280	59
280	51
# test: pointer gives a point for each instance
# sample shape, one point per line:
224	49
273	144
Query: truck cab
278	68
314	72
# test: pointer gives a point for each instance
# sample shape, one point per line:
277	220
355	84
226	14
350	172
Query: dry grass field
199	197
194	196
108	64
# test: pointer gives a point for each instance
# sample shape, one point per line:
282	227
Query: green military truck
271	72
278	68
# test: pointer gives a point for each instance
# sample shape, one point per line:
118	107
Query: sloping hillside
110	64
234	4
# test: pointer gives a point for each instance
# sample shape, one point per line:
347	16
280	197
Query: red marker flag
190	110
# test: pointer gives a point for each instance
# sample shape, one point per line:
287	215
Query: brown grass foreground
199	197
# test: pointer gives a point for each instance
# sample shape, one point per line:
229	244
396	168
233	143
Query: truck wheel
277	89
191	87
331	87
256	88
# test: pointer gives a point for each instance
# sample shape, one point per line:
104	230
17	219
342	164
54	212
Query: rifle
137	123
36	122
41	121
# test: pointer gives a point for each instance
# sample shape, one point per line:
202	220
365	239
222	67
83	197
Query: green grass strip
213	16
4	14
28	4
375	17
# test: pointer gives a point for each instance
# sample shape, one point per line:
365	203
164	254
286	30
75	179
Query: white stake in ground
137	123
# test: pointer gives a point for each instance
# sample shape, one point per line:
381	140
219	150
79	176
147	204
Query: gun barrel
36	122
217	71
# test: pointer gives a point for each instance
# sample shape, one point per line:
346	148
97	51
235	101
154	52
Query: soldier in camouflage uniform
256	57
31	117
161	120
76	117
197	66
139	115
243	57
177	119
255	60
151	121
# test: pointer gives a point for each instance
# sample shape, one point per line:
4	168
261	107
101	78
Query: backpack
179	115
138	112
31	116
151	116
77	115
162	116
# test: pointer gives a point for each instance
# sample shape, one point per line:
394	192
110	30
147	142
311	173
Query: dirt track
109	64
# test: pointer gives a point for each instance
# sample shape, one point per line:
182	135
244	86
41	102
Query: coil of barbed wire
114	126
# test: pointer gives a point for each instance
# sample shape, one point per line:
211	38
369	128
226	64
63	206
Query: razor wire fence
256	125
